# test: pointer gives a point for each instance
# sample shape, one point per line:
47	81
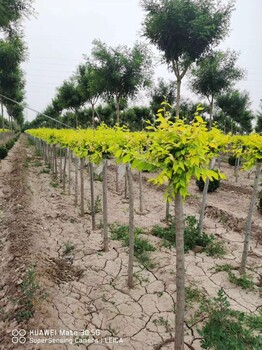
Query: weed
54	184
244	281
163	322
225	328
159	294
192	237
100	225
44	171
97	177
37	163
192	294
97	205
68	248
141	246
29	288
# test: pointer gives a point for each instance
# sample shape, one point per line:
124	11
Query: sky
63	30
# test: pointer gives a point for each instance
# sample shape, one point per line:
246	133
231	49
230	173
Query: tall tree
69	97
214	74
12	11
235	105
162	91
259	120
185	30
121	71
89	86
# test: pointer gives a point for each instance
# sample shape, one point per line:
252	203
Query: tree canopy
185	30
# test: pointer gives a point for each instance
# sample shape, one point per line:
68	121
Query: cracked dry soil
86	290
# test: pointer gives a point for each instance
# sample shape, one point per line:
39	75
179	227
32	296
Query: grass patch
192	237
68	248
224	328
29	289
244	281
54	184
141	246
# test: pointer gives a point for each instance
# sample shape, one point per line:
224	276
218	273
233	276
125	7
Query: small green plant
54	184
232	160
192	237
141	246
225	328
3	152
98	177
244	281
97	205
44	171
259	203
68	248
212	186
37	163
29	289
163	322
193	294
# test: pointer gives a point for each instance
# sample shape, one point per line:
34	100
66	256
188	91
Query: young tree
121	71
184	31
259	120
214	74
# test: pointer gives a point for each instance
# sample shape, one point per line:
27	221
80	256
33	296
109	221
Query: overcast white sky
64	30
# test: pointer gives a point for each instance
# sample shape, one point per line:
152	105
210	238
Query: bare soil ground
86	289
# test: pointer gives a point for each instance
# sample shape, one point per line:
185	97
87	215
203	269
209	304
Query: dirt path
82	289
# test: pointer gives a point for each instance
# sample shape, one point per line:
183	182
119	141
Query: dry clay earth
88	289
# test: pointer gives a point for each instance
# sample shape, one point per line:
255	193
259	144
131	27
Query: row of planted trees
177	150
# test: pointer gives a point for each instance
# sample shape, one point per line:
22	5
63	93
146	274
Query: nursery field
64	292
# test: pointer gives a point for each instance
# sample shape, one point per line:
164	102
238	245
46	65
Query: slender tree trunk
178	96
61	165
105	226
52	159
93	116
242	268
204	198
93	214
180	273
76	181
82	210
118	110
211	113
130	280
117	181
69	170
237	164
167	210
9	126
64	171
55	160
140	192
126	184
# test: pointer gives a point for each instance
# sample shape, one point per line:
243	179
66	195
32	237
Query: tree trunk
204	198
3	120
117	181
93	116
55	160
64	171
76	181
178	95
69	171
180	273
61	165
237	163
93	214
167	210
118	110
105	226
82	210
140	192
211	112
126	184
242	268
130	281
